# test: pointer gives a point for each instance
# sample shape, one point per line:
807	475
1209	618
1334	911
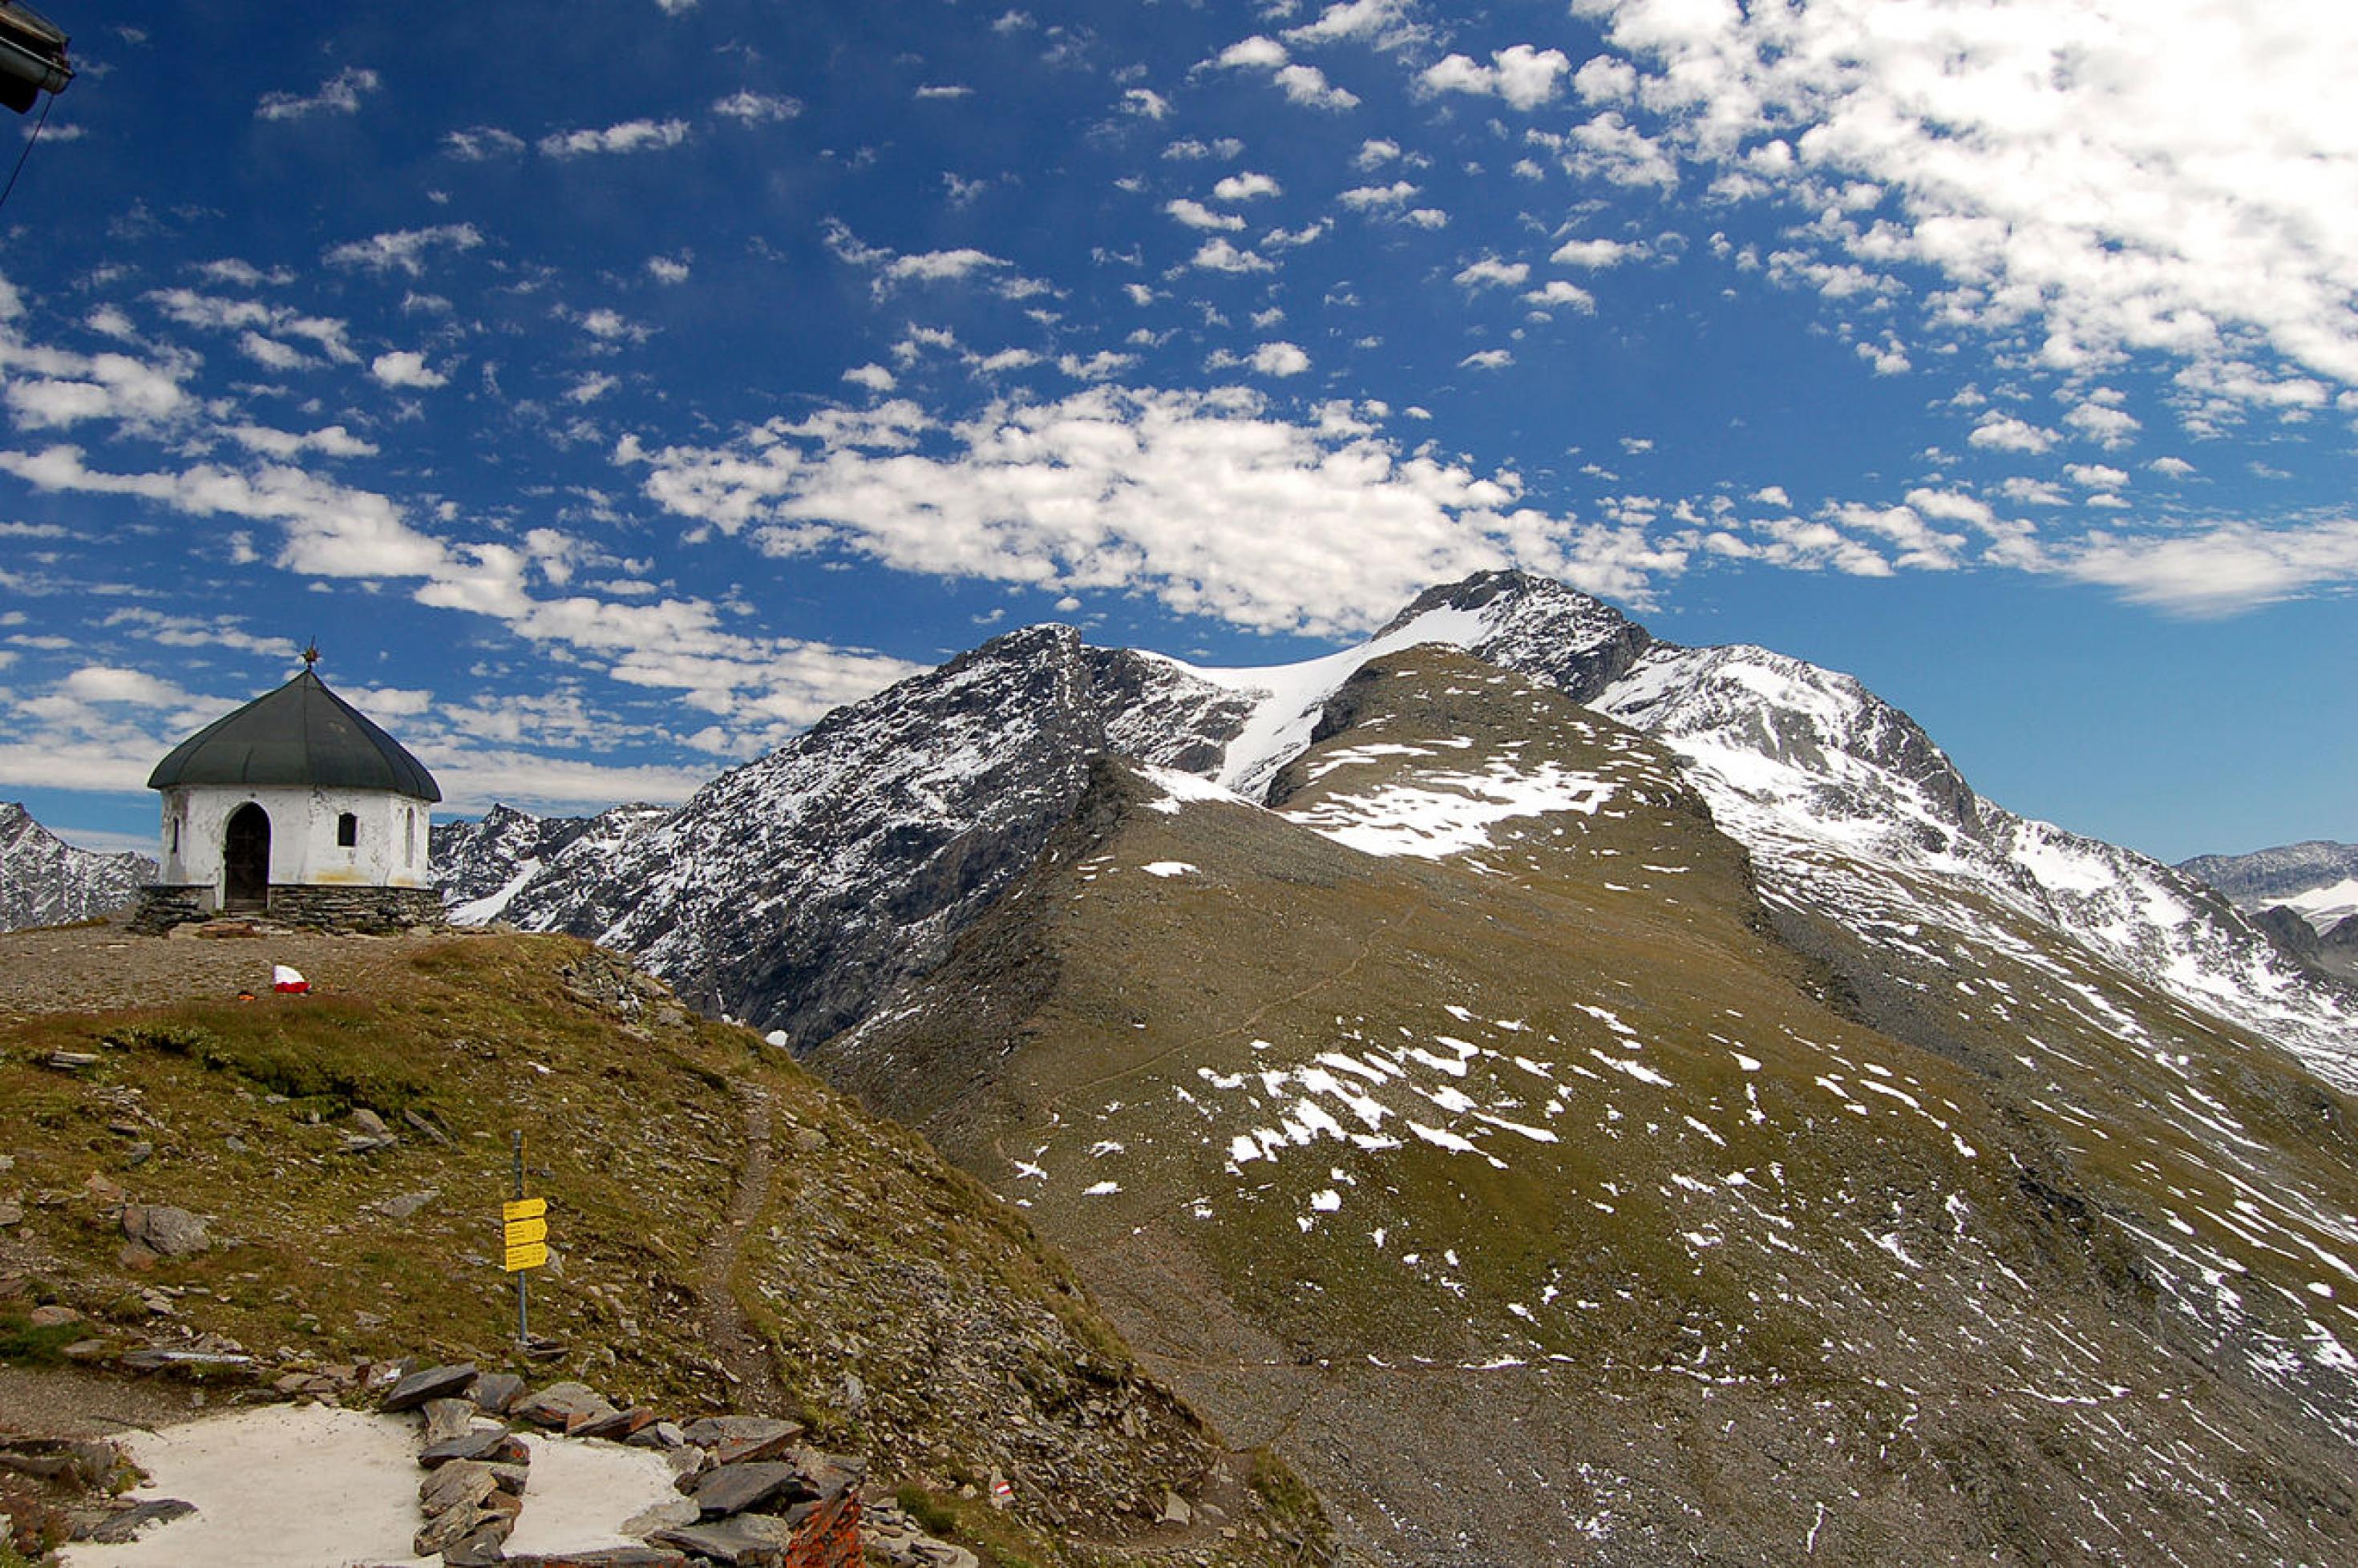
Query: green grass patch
972	1523
23	1344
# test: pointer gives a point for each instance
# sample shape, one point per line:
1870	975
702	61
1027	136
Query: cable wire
48	100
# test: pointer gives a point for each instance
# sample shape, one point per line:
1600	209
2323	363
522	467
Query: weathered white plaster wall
391	852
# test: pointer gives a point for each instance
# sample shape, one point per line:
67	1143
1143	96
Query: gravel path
101	966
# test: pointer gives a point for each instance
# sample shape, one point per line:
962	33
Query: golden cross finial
310	653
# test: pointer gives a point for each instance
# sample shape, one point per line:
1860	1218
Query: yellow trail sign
531	1255
524	1209
522	1232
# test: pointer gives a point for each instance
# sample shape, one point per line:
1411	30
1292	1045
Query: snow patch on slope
1441	814
1292	697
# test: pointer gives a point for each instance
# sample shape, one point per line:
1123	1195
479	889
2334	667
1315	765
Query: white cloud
405	368
891	268
479	144
2175	468
1203	498
937	90
629	136
1557	292
1374	153
1195	215
1303	84
1308	85
112	683
1221	255
2118	182
667	269
1280	359
340	94
874	377
926	266
1596	253
404	250
748	107
2221	571
1608	147
1100	366
1387	24
2095	476
1523	76
2101	422
1370	198
2005	433
1489	272
51	389
332	440
1489	359
591	386
1256	53
1146	103
1245	186
332	530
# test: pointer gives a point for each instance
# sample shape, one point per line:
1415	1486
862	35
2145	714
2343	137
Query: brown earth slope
1542	1205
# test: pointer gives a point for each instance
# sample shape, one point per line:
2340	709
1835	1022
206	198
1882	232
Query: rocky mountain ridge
795	892
44	881
2304	896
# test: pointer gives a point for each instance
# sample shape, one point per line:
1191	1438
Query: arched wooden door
246	859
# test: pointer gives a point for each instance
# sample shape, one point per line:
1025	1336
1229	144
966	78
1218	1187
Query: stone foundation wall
374	910
314	906
163	905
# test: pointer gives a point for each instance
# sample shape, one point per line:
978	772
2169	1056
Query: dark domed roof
300	735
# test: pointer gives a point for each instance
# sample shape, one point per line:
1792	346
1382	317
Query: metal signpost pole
523	1310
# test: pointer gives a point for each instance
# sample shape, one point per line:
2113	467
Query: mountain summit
1571	1094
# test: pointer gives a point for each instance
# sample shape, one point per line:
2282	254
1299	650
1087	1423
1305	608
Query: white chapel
297	806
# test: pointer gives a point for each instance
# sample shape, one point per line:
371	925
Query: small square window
348	830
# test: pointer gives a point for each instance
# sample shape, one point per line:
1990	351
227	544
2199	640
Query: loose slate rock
563	1406
606	1557
446	1418
492	1444
483	1548
434	1383
733	1489
493	1392
739	1542
462	1483
733	1438
116	1529
619	1426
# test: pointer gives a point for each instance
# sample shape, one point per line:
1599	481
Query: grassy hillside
730	1234
1543	1202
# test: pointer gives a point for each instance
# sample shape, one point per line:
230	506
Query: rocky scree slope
2305	896
480	864
1472	1125
794	892
335	1162
44	881
2291	873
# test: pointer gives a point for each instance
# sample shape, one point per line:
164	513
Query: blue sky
611	388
